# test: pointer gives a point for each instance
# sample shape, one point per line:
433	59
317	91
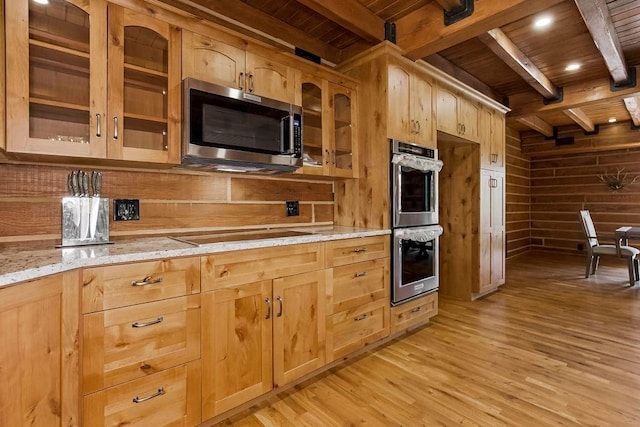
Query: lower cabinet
167	398
39	366
414	312
259	336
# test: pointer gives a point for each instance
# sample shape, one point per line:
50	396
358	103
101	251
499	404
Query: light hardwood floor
550	348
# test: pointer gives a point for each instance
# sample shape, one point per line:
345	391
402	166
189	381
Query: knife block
85	221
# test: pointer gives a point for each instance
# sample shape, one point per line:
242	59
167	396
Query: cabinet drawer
353	329
127	284
132	342
348	251
359	283
168	398
414	312
236	268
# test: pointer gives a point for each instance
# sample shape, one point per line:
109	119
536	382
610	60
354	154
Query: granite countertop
27	265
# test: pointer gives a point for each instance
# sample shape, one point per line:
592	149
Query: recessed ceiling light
612	119
542	22
41	1
572	67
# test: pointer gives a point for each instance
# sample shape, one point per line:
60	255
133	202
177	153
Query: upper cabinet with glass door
328	135
144	88
71	93
56	77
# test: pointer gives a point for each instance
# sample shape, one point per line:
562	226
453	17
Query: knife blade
96	180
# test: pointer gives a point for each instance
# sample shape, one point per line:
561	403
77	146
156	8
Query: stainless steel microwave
230	130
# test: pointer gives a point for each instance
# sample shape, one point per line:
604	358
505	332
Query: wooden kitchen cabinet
492	139
358	294
492	232
329	129
414	313
168	398
410	111
39	352
227	61
89	80
456	115
260	335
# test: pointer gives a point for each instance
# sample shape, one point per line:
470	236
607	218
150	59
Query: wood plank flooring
551	348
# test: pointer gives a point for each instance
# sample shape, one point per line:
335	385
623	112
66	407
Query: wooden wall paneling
3	144
562	185
171	202
459	204
518	196
365	202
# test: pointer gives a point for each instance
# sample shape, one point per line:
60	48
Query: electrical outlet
126	210
293	208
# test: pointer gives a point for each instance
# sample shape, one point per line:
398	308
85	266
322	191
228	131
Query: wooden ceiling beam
466	78
350	14
633	107
511	55
581	118
574	96
244	19
537	124
449	4
596	16
423	33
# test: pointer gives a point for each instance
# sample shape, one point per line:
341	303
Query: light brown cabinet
260	335
141	342
457	115
414	313
329	128
39	350
225	60
410	110
492	231
357	294
89	80
492	140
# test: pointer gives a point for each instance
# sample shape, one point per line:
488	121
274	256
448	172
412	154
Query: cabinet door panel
447	111
39	368
353	329
236	351
498	141
269	79
298	325
56	78
211	60
485	136
356	284
484	278
399	123
117	351
422	92
468	116
344	131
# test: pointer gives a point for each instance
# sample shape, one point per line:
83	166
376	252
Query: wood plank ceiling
497	44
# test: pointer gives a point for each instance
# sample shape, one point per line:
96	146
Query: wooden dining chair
595	250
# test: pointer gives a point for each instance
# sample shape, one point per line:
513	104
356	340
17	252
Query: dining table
623	234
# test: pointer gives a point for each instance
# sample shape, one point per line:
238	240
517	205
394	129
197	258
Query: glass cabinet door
143	91
314	154
344	132
56	77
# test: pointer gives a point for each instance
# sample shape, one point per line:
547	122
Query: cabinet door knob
115	127
98	125
360	274
250	82
327	159
361	317
281	301
268	302
240	81
160	392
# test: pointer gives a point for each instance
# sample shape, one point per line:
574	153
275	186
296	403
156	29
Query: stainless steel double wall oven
414	212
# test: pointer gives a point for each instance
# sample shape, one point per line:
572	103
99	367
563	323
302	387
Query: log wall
170	202
561	185
518	200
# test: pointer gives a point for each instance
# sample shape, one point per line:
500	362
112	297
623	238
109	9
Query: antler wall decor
617	182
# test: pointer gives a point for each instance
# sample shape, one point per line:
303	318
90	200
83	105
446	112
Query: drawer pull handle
145	366
361	274
359	250
361	317
160	392
268	301
147	281
280	300
144	324
417	309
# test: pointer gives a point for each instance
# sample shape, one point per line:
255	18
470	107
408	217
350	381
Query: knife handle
85	184
74	183
98	184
